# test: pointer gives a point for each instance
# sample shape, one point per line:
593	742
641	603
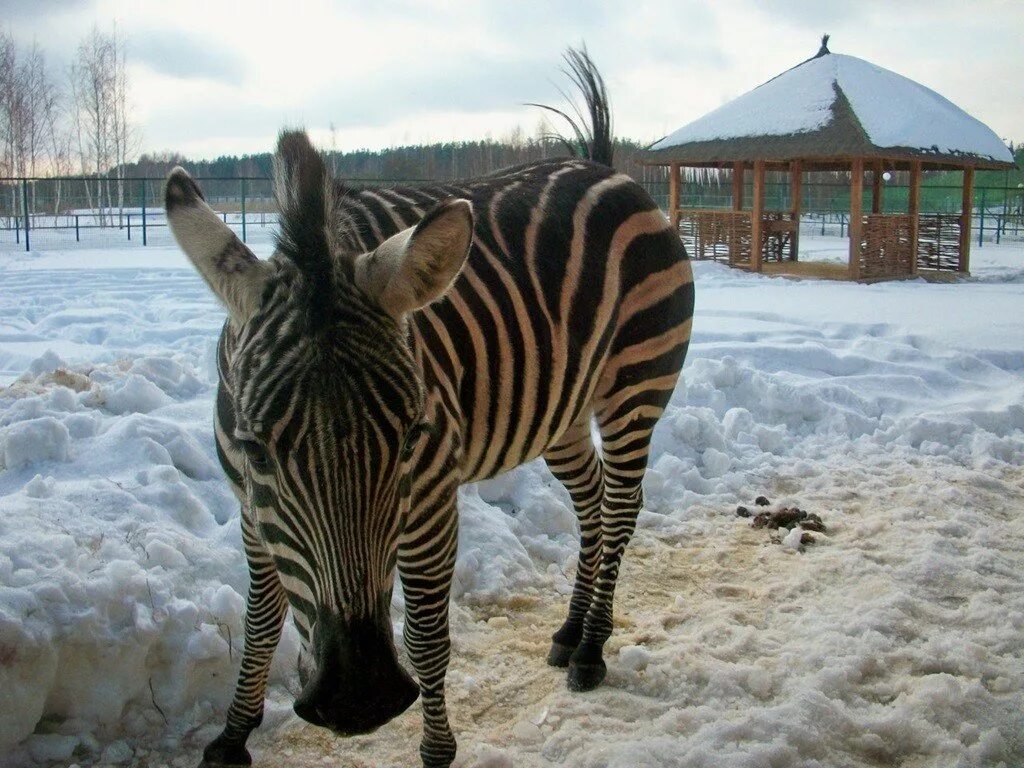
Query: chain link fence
49	214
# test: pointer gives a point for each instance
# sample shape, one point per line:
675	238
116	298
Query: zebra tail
592	132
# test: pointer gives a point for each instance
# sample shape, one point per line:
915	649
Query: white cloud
440	69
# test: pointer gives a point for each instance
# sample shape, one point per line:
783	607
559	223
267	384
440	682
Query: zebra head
328	405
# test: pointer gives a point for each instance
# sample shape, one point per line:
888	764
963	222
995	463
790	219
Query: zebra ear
231	270
418	265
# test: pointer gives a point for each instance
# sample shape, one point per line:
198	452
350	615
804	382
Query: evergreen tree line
418	162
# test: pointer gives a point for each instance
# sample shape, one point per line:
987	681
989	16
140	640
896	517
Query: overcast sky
211	77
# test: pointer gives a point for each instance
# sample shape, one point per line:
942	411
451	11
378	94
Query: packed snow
895	411
893	110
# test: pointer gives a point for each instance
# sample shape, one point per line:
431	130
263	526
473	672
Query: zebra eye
412	438
256	454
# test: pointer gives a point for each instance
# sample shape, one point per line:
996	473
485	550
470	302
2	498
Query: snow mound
30	442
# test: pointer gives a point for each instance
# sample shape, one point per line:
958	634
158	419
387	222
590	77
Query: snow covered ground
895	411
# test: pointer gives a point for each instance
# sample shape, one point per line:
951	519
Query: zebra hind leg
265	609
574	461
625	444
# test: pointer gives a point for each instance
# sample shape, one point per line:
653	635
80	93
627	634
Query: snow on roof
893	110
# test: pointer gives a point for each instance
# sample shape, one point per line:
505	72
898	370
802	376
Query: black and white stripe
346	428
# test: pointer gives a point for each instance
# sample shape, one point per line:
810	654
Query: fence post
144	212
981	224
24	208
129	226
77	238
243	209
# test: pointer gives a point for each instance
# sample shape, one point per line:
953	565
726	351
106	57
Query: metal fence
998	211
46	214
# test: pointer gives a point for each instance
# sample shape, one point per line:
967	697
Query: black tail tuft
592	138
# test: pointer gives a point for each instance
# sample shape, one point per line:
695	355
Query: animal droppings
793	520
812	523
786	517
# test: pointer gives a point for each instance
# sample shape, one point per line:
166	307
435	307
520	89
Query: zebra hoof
559	655
437	755
586	677
223	753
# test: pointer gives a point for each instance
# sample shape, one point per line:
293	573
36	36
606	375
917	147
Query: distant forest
448	160
468	159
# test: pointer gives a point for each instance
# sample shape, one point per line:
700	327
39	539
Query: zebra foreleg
265	610
426	562
574	461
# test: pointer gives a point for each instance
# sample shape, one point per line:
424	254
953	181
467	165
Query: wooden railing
938	242
885	246
725	235
722	235
780	235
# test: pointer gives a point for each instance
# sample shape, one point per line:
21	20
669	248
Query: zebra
402	342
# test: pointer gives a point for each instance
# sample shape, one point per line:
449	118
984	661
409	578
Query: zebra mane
304	194
306	201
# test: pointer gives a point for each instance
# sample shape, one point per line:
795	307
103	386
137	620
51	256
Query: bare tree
125	135
12	114
91	86
12	107
105	135
58	137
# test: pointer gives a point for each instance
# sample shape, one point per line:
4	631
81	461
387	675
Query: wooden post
876	188
673	196
914	209
756	216
966	211
737	205
796	177
856	200
737	186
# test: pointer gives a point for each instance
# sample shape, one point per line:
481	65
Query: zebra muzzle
356	684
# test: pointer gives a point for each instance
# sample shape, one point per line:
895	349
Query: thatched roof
833	108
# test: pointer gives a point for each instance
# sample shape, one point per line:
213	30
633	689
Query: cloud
209	79
180	54
465	85
15	10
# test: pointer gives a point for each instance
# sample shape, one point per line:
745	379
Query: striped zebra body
565	254
572	312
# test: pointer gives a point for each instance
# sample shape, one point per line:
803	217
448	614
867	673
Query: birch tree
105	135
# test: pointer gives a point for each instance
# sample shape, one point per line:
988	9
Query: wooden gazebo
832	113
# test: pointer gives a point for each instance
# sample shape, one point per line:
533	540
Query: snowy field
894	411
